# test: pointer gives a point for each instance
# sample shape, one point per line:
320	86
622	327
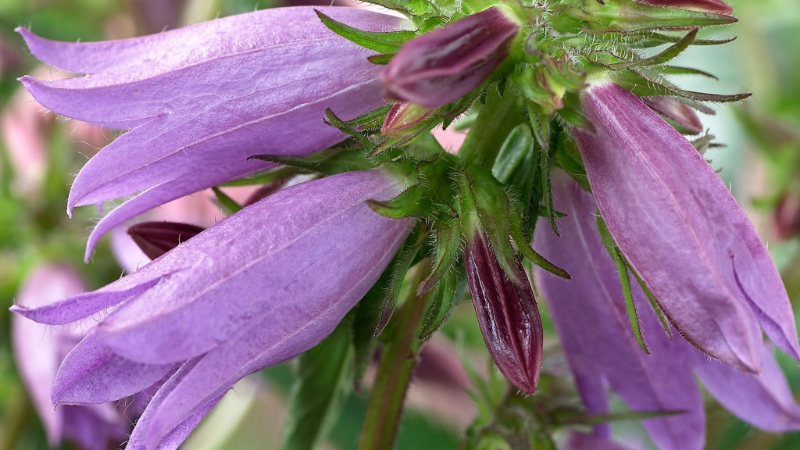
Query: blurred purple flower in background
682	231
254	290
39	349
202	99
591	320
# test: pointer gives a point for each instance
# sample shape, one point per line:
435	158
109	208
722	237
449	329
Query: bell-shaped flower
682	231
708	6
38	351
439	67
200	100
257	288
589	314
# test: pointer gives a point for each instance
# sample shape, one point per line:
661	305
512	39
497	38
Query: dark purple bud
404	119
787	216
507	314
676	111
443	65
709	6
157	238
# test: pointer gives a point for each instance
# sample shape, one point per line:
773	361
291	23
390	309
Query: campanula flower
200	100
590	317
682	231
257	288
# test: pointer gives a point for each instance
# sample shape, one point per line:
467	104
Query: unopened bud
709	6
507	315
437	68
404	119
676	111
157	238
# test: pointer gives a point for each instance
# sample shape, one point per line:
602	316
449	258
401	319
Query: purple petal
763	400
583	441
674	110
173	439
92	374
682	231
299	243
445	64
203	100
94	427
589	314
37	348
84	305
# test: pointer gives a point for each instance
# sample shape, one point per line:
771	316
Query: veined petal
299	243
93	374
682	231
763	400
140	57
589	315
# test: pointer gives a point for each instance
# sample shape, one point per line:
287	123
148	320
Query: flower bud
507	315
444	65
157	238
709	6
676	111
403	119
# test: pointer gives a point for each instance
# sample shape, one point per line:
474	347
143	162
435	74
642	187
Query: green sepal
625	282
413	202
366	318
441	305
544	170
446	247
402	263
573	113
388	42
571	416
267	176
678	70
654	39
644	86
370	121
528	252
662	318
665	56
329	162
382	59
229	205
569	159
320	390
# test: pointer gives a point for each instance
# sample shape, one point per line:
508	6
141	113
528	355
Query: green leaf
268	176
322	386
624	279
447	245
389	42
678	70
228	204
653	303
366	318
512	153
643	86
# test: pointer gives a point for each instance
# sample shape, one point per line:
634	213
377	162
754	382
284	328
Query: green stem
398	358
498	116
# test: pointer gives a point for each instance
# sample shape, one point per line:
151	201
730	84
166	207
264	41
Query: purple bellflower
590	317
256	289
202	99
682	231
442	66
39	349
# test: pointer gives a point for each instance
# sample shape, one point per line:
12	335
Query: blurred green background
39	155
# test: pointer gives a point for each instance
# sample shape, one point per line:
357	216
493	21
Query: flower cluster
570	164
